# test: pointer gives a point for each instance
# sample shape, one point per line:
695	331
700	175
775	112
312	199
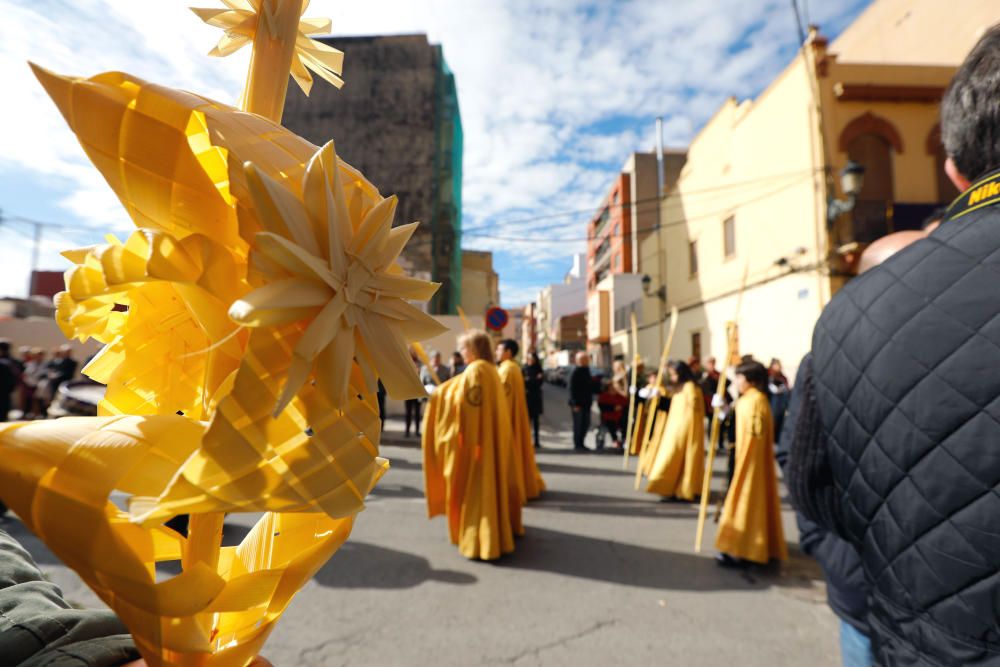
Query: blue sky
554	96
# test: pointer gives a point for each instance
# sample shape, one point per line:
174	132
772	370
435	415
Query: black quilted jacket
907	386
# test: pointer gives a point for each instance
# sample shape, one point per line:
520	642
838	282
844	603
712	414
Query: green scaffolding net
447	218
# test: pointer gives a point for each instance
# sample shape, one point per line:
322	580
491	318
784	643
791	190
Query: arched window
873	210
870	141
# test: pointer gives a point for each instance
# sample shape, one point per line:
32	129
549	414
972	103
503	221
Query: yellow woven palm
246	323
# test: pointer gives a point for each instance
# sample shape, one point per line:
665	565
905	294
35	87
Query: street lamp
852	179
660	292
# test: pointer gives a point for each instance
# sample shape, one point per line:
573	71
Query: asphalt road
604	574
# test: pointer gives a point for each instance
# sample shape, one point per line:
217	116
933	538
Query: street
604	574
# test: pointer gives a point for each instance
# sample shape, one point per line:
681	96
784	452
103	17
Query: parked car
77	399
557	376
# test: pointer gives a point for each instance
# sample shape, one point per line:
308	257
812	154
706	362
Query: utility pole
36	242
660	273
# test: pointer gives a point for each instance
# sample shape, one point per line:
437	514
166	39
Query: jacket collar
984	192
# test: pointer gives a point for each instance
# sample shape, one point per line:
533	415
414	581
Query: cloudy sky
554	95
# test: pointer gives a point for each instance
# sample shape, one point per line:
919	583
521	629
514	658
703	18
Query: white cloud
554	94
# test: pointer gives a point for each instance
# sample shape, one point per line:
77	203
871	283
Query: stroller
614	408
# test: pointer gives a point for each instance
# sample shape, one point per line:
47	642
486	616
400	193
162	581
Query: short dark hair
970	115
754	372
684	372
4	347
511	346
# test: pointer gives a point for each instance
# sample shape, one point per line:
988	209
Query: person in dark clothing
534	378
380	397
581	399
777	389
10	377
846	590
897	452
414	406
38	628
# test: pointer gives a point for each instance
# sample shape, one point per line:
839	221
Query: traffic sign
496	318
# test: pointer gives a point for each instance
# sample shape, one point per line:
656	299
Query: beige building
480	285
560	314
752	198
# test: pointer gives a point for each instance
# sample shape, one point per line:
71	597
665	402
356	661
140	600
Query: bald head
886	247
582	359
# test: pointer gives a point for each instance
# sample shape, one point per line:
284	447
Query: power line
687	193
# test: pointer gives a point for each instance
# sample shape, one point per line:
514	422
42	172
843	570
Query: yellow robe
750	527
678	464
524	451
467	463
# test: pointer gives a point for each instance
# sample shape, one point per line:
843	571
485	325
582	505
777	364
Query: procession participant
657	408
750	528
530	482
678	464
467	456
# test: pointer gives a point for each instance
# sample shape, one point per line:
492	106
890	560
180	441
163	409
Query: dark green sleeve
38	628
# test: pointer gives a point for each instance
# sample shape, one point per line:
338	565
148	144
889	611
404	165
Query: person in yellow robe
468	458
677	465
750	527
530	479
656	403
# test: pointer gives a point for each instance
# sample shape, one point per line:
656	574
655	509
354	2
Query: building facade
560	313
749	214
480	285
397	120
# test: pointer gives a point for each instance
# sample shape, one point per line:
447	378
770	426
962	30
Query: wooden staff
633	389
713	440
465	320
651	412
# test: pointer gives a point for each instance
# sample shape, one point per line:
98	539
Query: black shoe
727	561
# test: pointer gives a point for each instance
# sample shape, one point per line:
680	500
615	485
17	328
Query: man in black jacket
846	590
581	397
905	462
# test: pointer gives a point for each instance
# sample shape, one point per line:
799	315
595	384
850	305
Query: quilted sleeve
38	627
807	472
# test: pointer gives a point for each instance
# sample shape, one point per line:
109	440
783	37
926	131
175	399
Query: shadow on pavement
545	467
384	490
361	565
645	505
546	550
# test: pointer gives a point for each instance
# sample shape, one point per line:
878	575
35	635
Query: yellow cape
524	452
678	463
750	527
467	463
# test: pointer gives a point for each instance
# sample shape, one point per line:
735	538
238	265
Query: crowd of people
29	381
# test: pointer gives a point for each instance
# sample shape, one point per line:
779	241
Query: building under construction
397	120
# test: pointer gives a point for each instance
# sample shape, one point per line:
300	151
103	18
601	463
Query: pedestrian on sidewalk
443	372
581	399
534	379
414	406
10	377
777	387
